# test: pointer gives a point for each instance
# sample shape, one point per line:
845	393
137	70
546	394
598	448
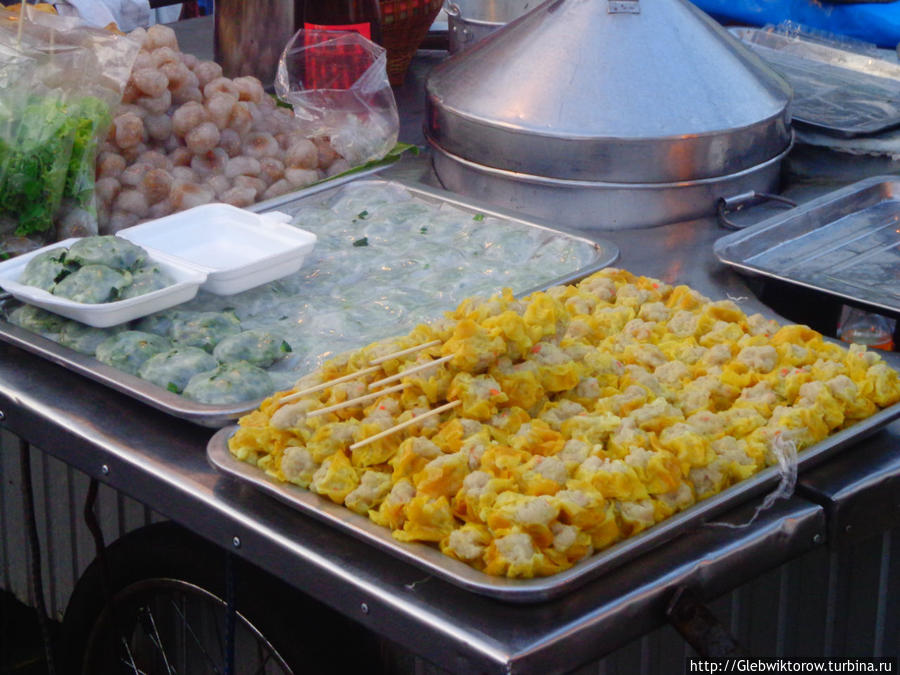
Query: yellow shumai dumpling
611	478
500	460
685	297
472	347
391	513
333	437
817	395
545	317
659	471
796	334
336	478
673	502
480	395
709	480
297	466
556	370
537	438
513	330
881	385
514	555
593	429
636	516
739	463
690	448
475	499
610	321
569	545
442	476
524	513
591	513
856	407
373	487
520	382
426	520
541	476
412	455
468	543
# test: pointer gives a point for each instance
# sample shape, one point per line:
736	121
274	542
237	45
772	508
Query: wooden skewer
404	352
411	371
330	383
403	425
353	401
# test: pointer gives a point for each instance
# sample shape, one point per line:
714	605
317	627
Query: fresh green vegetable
361	242
49	155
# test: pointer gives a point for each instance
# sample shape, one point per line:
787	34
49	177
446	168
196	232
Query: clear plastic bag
60	80
338	86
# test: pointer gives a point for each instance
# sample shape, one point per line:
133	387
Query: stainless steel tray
432	561
215	416
845	243
835	90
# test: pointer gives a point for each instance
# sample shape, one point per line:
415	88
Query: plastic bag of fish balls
184	135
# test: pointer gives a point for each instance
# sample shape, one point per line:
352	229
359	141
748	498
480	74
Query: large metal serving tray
432	561
216	416
836	90
846	243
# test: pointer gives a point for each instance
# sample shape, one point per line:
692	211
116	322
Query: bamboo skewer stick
353	401
404	352
325	385
411	371
403	425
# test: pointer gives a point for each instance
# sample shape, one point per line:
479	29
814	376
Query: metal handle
727	205
451	8
700	628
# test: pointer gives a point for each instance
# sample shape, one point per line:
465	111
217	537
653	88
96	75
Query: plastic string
785	452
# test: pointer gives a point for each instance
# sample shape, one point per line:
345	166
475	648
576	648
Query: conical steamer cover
626	91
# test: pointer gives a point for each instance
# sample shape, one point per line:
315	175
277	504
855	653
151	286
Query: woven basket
404	24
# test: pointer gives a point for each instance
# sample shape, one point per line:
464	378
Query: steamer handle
727	205
451	8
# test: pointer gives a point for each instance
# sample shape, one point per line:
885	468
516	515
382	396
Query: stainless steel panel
844	243
434	562
215	416
835	90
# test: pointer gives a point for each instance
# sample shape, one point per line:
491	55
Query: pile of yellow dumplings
586	414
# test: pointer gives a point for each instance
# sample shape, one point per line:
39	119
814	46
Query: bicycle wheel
169	615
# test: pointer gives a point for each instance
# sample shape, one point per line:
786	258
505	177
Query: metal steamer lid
629	91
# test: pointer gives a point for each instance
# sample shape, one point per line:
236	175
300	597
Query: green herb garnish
478	217
423	229
285	347
173	388
361	242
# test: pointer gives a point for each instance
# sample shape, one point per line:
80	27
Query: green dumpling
236	382
130	349
160	323
146	280
258	347
172	369
204	329
107	250
45	269
85	339
93	284
38	321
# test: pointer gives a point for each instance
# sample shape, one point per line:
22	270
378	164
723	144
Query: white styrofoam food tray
102	315
237	249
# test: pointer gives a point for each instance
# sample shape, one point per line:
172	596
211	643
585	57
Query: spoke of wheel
262	665
157	640
203	650
130	662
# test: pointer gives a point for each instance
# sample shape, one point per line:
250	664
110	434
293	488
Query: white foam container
237	249
102	315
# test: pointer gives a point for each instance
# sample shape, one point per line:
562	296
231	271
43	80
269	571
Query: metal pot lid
611	90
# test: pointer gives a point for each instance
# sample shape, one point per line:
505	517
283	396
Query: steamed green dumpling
237	382
107	250
160	323
45	269
85	339
258	347
204	329
146	280
130	349
172	369
93	284
38	321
